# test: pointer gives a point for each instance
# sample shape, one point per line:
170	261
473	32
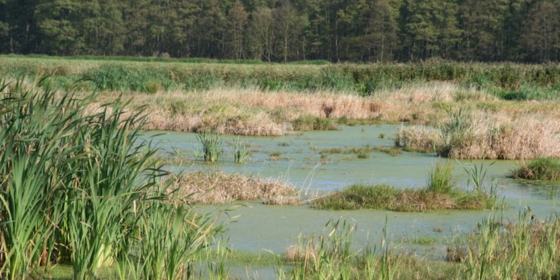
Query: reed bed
82	189
218	187
486	136
506	81
525	248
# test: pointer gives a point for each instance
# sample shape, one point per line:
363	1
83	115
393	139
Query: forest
526	31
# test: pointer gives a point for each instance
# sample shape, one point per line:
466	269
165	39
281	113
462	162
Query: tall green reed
75	185
211	146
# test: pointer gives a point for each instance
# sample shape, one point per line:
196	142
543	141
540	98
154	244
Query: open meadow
131	168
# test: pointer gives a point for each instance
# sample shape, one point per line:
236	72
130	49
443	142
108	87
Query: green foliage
80	186
441	179
455	132
506	81
477	174
240	152
539	169
211	146
387	197
313	32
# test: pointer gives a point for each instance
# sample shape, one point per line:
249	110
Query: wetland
150	170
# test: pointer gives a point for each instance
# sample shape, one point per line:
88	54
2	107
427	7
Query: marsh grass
441	193
212	146
485	136
363	152
539	169
240	152
505	249
217	187
385	197
498	248
507	81
477	175
310	123
417	139
441	178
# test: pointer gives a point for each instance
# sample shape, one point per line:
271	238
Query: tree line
284	30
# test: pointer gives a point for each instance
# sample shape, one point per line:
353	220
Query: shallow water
261	228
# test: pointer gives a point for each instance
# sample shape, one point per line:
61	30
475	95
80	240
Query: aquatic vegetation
505	249
497	249
441	178
441	193
211	146
361	152
217	187
477	174
538	169
79	188
240	152
386	197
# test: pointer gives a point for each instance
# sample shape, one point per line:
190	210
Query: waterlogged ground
297	159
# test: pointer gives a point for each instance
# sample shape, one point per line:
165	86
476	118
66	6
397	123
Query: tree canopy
284	30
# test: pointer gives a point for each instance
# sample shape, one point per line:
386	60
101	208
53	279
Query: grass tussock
309	123
441	178
385	197
539	169
217	187
441	193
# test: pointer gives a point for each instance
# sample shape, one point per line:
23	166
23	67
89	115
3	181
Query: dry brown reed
418	139
500	129
491	136
218	187
300	253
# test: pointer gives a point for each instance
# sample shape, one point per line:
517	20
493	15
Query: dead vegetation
497	129
218	187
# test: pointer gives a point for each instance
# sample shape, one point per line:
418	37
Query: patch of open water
296	158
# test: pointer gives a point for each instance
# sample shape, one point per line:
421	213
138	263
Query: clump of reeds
538	169
217	187
81	188
211	146
418	139
441	178
331	255
240	152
